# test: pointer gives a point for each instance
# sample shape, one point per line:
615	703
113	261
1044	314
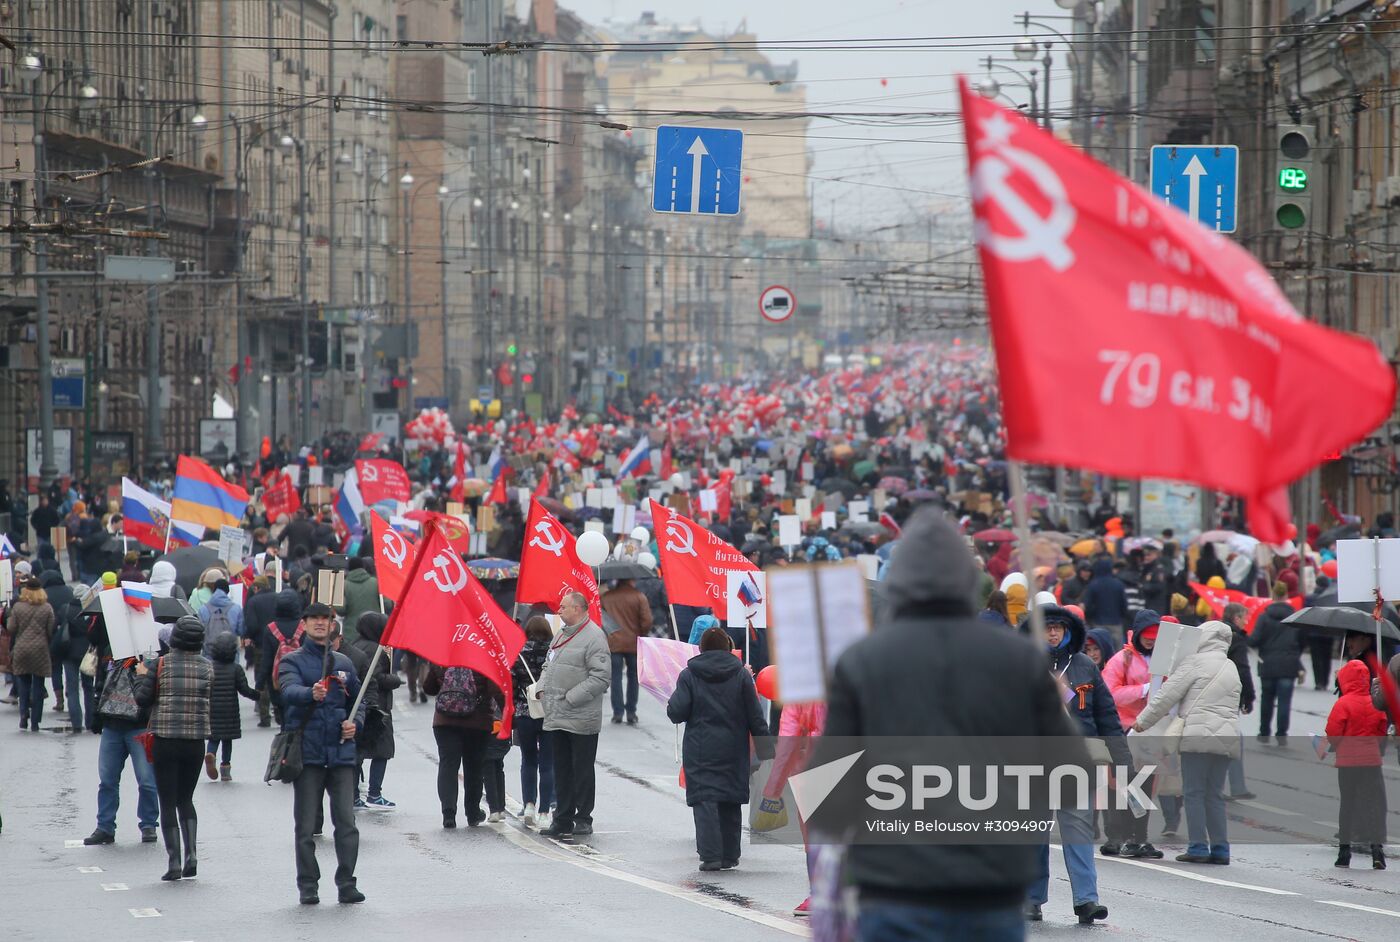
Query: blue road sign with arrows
1203	182
698	171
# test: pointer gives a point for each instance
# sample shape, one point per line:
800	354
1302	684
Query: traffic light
512	349
1293	175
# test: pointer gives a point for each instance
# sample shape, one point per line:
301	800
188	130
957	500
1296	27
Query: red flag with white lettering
550	567
1134	341
393	557
381	479
448	618
280	495
695	564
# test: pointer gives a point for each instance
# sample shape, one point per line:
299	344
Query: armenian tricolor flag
202	497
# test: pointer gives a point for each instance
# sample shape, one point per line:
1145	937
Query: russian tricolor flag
638	460
748	592
350	505
137	595
145	518
495	464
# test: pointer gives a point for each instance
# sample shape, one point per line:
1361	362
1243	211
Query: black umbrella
1347	531
190	562
163	608
1341	620
622	569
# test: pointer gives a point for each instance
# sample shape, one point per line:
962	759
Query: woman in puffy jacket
230	681
1205	689
31	625
1128	680
178	690
1356	729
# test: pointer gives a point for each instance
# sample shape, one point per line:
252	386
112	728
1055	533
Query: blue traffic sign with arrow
1202	182
699	171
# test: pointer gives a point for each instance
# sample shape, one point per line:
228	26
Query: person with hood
1355	731
259	610
1098	647
1105	601
536	757
177	691
1091	708
286	622
1017	592
1205	689
630	612
376	742
230	681
1127	677
30	623
900	681
220	615
205	590
361	596
162	581
318	686
1208	566
716	700
1280	655
68	648
1072	589
299	535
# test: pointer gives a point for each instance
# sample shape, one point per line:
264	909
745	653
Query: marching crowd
935	460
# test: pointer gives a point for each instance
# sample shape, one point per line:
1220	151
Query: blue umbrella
491	567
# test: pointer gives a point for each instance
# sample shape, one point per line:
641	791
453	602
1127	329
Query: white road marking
1260	806
1201	878
71	844
551	852
89	869
1364	909
146	913
112	887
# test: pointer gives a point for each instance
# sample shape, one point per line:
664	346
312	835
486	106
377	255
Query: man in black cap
318	686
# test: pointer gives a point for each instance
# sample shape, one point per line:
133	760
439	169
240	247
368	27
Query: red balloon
1329	569
1291	531
767	682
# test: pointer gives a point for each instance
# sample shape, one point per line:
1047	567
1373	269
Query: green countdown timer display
1292	179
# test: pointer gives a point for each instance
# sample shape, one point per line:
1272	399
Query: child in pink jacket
1127	679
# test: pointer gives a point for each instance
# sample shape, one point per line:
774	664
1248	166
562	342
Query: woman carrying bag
178	692
376	741
31	625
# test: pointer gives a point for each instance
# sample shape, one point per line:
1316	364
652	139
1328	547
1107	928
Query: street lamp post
293	143
444	211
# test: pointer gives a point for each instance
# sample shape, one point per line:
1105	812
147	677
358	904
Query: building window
357	292
359	158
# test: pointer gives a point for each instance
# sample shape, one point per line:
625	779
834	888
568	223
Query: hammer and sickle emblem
1041	236
395	547
685	540
450	582
370	474
548	540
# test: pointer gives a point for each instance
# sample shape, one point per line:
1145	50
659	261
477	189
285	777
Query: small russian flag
748	592
137	596
638	460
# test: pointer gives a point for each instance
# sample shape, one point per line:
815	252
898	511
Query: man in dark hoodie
1280	658
286	620
258	611
900	681
1105	601
1072	589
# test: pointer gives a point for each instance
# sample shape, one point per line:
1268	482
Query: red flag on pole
280	495
394	554
370	442
542	488
668	466
550	567
381	479
695	564
1111	310
448	618
498	493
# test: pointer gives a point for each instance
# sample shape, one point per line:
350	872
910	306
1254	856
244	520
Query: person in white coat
1205	690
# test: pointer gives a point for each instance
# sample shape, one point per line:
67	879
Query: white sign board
7	580
62	451
828	520
315	475
816	613
746	599
789	530
231	544
1356	570
130	633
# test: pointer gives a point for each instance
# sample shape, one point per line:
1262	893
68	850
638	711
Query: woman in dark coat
67	650
225	725
716	700
376	741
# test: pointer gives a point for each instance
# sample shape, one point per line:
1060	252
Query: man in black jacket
1280	652
1236	616
907	679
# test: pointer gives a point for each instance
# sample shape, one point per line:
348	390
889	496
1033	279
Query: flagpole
364	681
1021	513
675	632
169	525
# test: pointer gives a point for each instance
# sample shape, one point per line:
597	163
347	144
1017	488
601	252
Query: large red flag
695	564
1217	599
394	554
280	495
550	567
1136	342
446	617
381	479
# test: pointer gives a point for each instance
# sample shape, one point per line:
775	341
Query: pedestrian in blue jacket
318	686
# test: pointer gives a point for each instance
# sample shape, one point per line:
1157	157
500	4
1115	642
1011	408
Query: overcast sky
906	169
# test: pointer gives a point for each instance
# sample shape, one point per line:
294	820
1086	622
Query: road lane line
1364	909
1260	806
551	852
1201	878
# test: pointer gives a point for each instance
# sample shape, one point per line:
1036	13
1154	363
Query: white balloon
647	560
678	481
592	548
641	535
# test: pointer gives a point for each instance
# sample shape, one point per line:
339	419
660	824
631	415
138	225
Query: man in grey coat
572	687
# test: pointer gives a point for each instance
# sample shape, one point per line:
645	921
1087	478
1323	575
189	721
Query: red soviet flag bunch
695	564
382	479
448	618
1133	341
550	567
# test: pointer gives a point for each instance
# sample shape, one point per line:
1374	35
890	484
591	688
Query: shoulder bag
147	738
1176	728
284	760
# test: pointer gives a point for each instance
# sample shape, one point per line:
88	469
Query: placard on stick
231	544
486	518
330	587
746	599
7	580
1356	570
816	613
58	536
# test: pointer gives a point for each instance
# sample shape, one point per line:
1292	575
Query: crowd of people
917	441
